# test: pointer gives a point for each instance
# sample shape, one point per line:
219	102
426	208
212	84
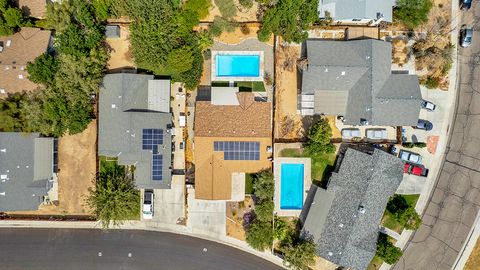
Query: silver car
410	157
466	34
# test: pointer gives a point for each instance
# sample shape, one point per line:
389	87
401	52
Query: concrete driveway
455	202
206	217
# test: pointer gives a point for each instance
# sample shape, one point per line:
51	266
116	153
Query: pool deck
307	178
232	78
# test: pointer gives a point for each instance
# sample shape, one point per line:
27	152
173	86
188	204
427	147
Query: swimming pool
291	186
229	65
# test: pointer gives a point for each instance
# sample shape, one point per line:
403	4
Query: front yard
322	164
389	220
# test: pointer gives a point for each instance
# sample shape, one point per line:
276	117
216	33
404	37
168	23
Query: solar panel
157	167
151	138
238	150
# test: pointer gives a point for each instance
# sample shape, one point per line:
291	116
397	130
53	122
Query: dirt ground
238	36
235	212
473	262
399	51
286	91
120	55
243	15
336	134
77	168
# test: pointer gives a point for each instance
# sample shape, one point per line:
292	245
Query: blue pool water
291	186
238	65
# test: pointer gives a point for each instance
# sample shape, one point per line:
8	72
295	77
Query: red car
415	169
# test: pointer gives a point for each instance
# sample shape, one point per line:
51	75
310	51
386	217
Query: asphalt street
451	212
72	249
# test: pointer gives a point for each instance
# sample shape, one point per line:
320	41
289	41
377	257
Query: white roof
159	95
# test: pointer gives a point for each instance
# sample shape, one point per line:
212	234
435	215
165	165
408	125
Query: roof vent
20	76
330	253
340	225
2	91
3	150
2	193
326	69
114	106
3	176
9	42
234	131
1	46
361	209
343	73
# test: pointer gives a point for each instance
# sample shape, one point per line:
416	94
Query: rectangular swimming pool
229	65
291	186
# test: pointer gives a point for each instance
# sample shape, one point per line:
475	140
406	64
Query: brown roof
213	174
32	8
24	47
249	119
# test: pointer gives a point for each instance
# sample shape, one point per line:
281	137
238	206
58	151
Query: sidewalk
137	225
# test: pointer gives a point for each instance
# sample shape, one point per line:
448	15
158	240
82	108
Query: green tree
319	136
200	7
264	211
412	13
300	253
103	9
281	229
397	203
43	69
11	116
264	186
387	251
410	218
260	235
11	18
227	8
289	19
114	198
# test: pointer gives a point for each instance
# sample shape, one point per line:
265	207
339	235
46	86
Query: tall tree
319	136
114	198
412	13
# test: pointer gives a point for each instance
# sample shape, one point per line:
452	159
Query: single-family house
15	52
28	166
233	136
344	219
353	79
357	11
135	126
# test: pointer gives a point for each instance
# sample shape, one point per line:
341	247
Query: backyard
243	86
389	219
322	164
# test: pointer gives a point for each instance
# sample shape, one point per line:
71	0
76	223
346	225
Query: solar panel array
151	138
238	150
157	167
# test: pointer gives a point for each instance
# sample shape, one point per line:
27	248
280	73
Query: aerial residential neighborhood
239	134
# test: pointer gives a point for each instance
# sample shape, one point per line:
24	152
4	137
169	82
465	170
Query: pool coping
307	182
213	72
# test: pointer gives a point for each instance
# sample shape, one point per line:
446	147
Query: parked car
147	208
415	169
410	157
465	4
181	145
377	134
429	106
424	124
466	34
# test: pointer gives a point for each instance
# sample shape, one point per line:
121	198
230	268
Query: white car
410	157
147	207
429	106
377	134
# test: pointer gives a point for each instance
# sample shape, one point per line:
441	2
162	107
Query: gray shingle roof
357	9
26	161
123	114
362	69
343	234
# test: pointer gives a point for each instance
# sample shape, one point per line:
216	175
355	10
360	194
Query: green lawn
389	220
375	263
243	86
322	164
248	184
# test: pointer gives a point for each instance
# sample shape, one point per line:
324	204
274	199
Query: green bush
227	8
319	136
300	253
412	13
200	7
281	229
420	144
408	144
264	186
397	204
43	69
11	18
259	235
387	251
432	82
264	211
246	3
11	116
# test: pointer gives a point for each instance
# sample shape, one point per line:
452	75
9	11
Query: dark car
466	34
424	124
465	4
415	169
